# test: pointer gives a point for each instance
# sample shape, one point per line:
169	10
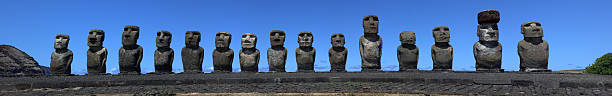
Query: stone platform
420	82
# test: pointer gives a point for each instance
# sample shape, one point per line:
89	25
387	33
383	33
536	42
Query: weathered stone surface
370	44
192	54
277	54
441	51
249	55
408	52
223	56
14	62
305	54
488	51
164	55
130	54
532	50
96	54
338	53
61	58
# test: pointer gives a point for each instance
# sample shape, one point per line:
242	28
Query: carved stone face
277	38
441	34
337	40
95	38
488	32
305	39
370	24
223	40
164	38
192	38
61	41
407	37
249	40
130	35
532	29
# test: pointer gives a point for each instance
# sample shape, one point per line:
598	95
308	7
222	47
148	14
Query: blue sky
577	31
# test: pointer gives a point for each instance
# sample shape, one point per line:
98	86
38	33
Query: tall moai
192	54
61	58
305	54
532	50
164	55
337	54
408	52
487	51
249	55
223	56
277	53
441	51
130	54
96	54
370	44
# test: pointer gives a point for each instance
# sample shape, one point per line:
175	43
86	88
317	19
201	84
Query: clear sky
577	31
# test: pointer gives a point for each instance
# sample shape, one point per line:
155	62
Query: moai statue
407	53
532	50
164	55
305	54
96	54
192	54
61	58
441	51
277	54
487	51
223	56
249	55
338	53
130	54
370	44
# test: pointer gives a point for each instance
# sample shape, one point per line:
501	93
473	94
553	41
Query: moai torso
408	57
305	58
164	55
96	61
442	57
407	53
129	59
276	59
371	49
249	60
488	51
337	59
192	59
163	60
61	58
277	54
96	54
532	50
61	62
222	60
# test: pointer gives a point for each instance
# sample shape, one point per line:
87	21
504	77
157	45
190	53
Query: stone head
532	29
277	38
337	40
192	38
223	39
441	34
488	32
248	40
370	24
95	38
305	39
407	37
488	16
61	41
130	35
164	38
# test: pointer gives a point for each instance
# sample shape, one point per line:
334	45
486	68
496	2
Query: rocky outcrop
14	62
